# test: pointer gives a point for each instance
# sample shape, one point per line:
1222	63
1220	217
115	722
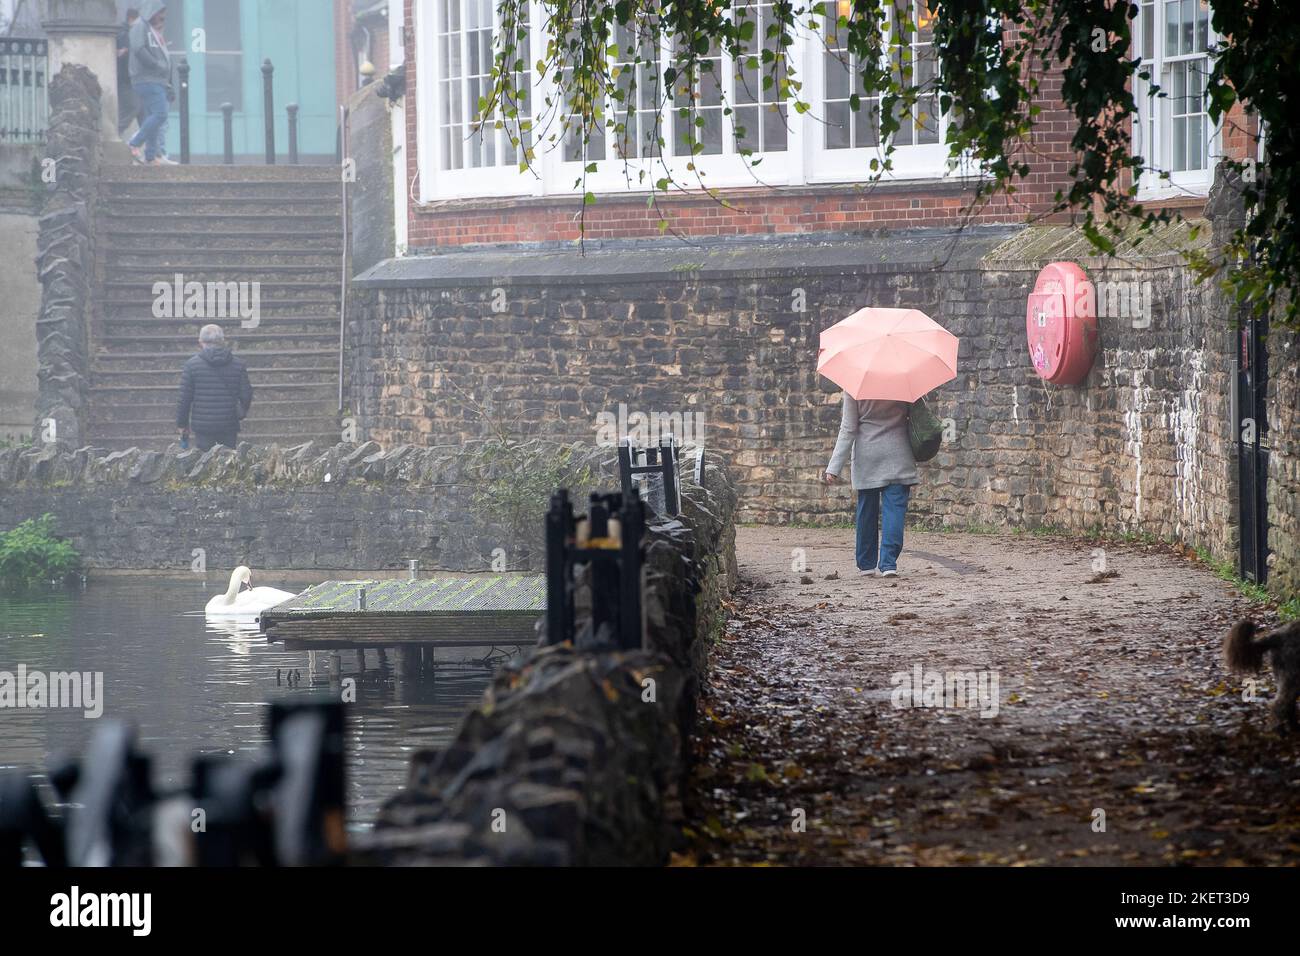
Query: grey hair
211	335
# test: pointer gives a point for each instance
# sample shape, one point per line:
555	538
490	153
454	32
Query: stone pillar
85	32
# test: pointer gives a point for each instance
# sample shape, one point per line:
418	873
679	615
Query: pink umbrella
897	354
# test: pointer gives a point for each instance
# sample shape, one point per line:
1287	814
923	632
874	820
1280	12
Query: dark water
190	686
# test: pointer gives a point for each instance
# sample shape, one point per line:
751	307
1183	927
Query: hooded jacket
210	383
149	60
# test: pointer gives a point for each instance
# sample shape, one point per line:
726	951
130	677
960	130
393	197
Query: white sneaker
891	573
869	573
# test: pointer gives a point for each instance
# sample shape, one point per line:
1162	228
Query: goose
244	600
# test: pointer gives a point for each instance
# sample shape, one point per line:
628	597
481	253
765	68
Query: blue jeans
152	98
881	533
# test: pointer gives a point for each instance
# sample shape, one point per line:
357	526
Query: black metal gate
1252	446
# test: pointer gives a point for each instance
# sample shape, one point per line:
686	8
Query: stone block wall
345	508
1284	463
578	757
1143	445
549	340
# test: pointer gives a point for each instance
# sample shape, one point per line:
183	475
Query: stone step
165	425
216	188
255	360
190	240
161	406
235	196
160	442
290	275
267	375
288	287
287	324
210	173
283	298
127	393
208	208
250	339
277	226
209	220
216	259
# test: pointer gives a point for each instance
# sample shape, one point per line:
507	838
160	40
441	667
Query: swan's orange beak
247	585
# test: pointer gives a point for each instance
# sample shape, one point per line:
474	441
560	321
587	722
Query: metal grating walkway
463	610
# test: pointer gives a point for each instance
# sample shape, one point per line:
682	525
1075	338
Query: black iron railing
607	543
658	463
285	807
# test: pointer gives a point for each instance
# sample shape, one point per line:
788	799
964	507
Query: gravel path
1107	731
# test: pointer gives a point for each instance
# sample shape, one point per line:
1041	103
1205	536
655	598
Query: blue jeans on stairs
152	98
881	512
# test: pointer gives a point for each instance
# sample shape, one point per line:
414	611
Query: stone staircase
279	226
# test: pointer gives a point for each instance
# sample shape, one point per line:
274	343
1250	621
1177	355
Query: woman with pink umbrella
884	359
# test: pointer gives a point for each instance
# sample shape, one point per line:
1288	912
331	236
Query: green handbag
924	430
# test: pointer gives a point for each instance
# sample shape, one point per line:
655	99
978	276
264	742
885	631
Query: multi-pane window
912	62
758	76
1173	131
725	118
915	63
697	106
463	59
636	114
842	80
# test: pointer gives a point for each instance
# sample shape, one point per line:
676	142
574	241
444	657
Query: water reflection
190	685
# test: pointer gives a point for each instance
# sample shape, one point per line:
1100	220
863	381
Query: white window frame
1153	125
831	165
804	161
466	182
728	168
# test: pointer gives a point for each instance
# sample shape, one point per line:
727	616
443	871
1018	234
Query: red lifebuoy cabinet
1061	323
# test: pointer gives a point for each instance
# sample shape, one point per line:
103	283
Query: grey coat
149	61
876	432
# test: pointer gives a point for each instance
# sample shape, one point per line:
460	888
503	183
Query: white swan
244	600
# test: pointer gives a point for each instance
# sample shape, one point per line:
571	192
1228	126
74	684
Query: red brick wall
757	210
408	39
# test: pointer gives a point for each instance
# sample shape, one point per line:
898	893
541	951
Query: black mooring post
268	107
113	794
228	133
625	462
668	460
23	818
311	795
292	110
632	519
604	579
184	71
559	521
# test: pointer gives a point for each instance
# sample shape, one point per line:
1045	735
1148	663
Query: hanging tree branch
613	70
